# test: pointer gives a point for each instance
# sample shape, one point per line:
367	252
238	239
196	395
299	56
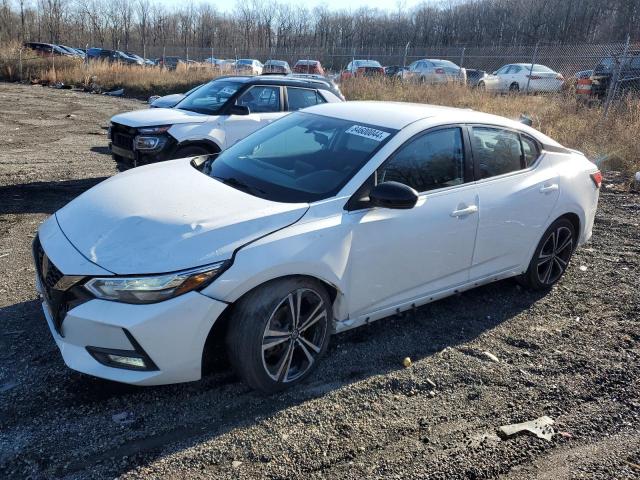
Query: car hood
167	101
167	217
158	116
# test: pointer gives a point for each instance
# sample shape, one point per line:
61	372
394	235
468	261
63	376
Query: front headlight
152	289
154	130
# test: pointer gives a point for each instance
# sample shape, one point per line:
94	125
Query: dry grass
139	82
612	142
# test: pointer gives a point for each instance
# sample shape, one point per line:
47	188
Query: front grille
122	136
61	293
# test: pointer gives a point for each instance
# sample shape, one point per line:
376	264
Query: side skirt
365	319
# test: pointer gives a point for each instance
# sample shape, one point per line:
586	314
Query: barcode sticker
368	132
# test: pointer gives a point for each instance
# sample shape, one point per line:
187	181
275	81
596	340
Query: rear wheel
278	333
551	258
481	85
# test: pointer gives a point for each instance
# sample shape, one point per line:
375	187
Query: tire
191	151
481	85
551	257
293	354
514	87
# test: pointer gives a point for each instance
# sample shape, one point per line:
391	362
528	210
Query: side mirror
239	110
393	195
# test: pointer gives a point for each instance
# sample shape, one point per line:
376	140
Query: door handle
463	212
549	188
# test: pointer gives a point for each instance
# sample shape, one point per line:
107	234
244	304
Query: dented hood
167	217
151	117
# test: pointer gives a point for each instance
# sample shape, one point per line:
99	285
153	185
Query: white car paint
521	77
169	216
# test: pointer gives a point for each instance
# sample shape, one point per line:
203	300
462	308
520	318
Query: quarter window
495	151
302	98
433	160
530	150
261	99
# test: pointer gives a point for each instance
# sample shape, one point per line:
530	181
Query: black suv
213	117
628	76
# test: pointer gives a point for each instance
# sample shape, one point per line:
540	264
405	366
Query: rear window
540	68
367	63
443	63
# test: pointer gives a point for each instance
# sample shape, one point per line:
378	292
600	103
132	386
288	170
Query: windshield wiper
239	184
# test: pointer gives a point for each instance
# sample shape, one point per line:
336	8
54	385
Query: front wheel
514	87
278	333
551	257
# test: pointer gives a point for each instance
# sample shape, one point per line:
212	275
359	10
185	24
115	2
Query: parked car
47	49
169	101
435	71
220	64
112	56
141	60
74	52
308	66
628	74
362	68
329	81
248	66
474	76
395	71
326	220
517	77
276	66
583	74
212	118
170	63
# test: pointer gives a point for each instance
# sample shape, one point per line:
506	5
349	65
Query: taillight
559	77
440	70
597	178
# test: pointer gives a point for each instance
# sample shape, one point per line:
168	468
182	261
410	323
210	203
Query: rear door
265	103
517	190
298	98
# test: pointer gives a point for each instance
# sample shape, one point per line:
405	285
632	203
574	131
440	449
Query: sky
389	5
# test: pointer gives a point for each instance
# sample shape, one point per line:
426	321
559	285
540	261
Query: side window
503	70
302	97
530	150
515	69
495	151
433	160
261	99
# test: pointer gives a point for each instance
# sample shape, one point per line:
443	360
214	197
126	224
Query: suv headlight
152	289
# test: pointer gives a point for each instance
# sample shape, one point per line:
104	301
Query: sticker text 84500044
368	132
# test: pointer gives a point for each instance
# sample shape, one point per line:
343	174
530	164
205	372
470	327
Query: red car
308	66
362	68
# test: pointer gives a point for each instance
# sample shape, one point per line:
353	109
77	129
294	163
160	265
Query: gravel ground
572	354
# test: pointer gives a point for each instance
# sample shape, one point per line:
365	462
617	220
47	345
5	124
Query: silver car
434	71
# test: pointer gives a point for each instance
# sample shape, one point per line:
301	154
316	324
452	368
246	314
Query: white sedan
523	77
328	219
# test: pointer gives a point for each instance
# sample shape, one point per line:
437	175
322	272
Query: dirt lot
573	354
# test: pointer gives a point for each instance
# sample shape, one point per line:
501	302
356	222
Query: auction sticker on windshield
368	132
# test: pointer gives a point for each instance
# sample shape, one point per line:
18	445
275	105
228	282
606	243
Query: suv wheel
551	258
191	151
278	333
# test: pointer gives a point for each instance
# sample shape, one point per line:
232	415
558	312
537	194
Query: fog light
134	362
127	359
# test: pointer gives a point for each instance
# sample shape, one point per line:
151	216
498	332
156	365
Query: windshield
245	61
367	63
209	98
300	158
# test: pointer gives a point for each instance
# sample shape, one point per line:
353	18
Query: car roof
278	80
397	115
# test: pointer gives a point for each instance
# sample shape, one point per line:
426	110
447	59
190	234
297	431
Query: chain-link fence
602	72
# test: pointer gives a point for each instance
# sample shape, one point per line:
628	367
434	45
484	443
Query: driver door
400	256
265	106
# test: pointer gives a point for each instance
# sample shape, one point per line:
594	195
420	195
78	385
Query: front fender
204	132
